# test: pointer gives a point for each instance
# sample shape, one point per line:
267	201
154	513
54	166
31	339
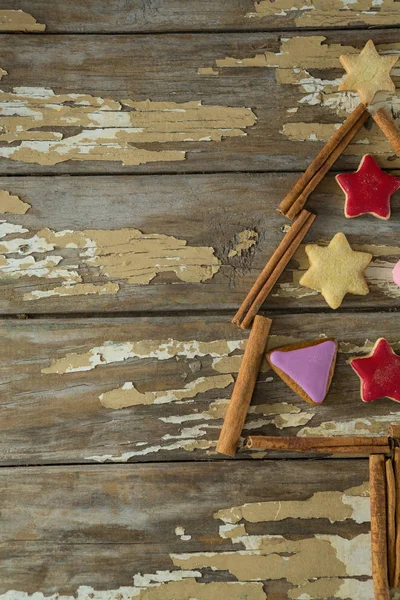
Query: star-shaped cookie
336	270
368	190
379	373
367	72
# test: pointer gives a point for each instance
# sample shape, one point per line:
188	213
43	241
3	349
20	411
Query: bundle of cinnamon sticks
385	518
294	201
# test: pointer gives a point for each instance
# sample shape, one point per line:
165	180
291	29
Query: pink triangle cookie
306	368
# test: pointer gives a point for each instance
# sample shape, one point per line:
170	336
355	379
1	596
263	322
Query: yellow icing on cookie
336	270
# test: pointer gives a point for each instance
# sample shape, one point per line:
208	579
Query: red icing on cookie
379	373
368	190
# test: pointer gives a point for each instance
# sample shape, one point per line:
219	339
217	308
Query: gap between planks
216	31
93	465
181	314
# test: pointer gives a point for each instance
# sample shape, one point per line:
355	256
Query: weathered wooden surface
156	389
102	16
267	100
92	244
304	528
161	224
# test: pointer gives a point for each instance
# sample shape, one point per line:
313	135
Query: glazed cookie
306	368
336	270
367	72
379	373
368	190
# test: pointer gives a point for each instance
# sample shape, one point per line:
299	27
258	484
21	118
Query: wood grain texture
100	16
111	527
220	231
157	388
288	83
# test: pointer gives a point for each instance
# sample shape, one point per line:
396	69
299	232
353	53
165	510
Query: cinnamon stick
357	117
391	519
378	526
388	127
273	270
320	174
394	430
244	386
396	465
360	446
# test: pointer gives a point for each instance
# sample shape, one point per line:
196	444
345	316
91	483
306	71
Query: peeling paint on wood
108	129
12	204
124	254
179	387
307	563
335	506
246	239
245	543
18	20
297	57
330	13
113	352
128	395
162	585
368	426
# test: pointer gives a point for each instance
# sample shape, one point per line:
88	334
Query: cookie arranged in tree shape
379	373
306	368
336	270
368	190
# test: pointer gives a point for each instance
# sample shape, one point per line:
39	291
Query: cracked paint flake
114	352
315	557
336	506
108	129
18	20
368	426
245	240
330	13
128	395
189	445
77	289
160	586
12	204
123	254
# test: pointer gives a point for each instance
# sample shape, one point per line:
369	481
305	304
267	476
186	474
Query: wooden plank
170	243
97	16
267	101
181	530
156	389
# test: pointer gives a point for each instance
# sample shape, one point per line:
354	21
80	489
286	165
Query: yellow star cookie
367	73
336	270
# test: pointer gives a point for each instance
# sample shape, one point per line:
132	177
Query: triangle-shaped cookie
306	368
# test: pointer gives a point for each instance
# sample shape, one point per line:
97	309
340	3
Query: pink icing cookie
396	274
306	368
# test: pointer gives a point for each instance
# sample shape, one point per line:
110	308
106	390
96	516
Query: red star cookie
368	190
379	373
